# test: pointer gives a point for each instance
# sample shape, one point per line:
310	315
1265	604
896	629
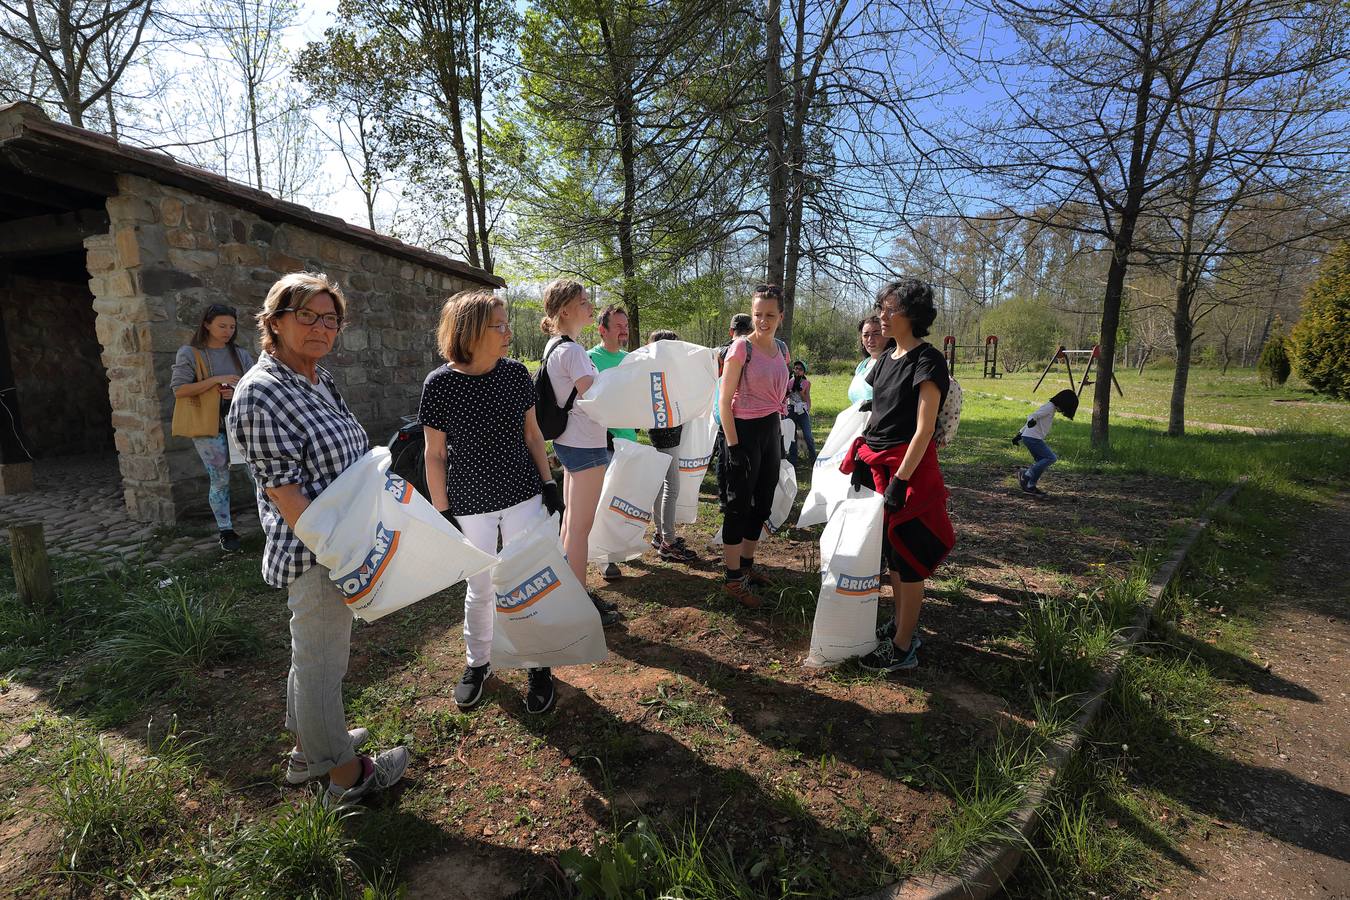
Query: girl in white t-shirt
1033	435
582	448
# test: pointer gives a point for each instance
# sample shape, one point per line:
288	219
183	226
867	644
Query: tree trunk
253	132
484	235
1184	330
625	113
1115	289
775	102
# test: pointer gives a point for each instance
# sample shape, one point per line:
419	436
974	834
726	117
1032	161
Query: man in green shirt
613	327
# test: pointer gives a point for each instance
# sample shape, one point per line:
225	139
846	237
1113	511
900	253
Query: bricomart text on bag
630	510
401	490
858	585
529	592
660	401
356	585
695	464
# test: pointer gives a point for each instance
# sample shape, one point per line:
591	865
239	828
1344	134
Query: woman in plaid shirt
298	435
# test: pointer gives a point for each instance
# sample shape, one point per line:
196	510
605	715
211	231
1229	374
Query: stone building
108	256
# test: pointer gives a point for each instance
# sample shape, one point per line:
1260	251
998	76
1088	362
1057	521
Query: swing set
990	348
1063	354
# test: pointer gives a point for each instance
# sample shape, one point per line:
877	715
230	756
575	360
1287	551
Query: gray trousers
321	638
663	515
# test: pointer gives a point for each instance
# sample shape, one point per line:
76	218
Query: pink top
763	384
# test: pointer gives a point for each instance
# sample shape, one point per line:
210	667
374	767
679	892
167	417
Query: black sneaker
886	632
612	571
469	691
609	612
540	696
229	541
889	658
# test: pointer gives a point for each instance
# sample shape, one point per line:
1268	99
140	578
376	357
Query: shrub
1273	366
1025	329
1320	342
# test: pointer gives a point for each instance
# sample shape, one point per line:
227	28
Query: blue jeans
1044	456
803	423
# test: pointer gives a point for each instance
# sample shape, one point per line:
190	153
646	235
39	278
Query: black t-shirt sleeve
434	408
931	366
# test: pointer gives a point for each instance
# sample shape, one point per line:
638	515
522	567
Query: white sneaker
377	773
297	768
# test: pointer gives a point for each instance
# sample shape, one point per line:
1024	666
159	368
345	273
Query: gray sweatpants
667	499
321	638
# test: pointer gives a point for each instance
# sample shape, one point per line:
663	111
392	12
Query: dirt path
1280	814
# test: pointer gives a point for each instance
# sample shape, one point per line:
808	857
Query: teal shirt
603	360
858	388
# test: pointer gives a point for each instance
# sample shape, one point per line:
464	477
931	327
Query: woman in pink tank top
750	402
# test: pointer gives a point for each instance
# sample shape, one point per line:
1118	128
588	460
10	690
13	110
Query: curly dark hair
914	300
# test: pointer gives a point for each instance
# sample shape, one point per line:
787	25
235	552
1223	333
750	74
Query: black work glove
1031	423
553	500
1017	438
865	406
738	459
448	516
895	494
861	476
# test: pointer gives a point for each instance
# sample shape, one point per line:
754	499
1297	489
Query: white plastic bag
627	497
789	429
384	545
661	385
695	454
829	486
850	583
784	495
543	617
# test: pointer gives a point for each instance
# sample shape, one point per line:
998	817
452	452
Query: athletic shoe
1022	479
1033	490
540	696
755	579
609	613
377	773
886	633
297	767
469	691
889	658
612	571
656	542
676	553
229	541
739	591
601	604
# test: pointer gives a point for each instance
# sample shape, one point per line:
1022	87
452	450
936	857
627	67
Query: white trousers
480	603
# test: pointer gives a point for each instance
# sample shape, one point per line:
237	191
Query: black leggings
749	491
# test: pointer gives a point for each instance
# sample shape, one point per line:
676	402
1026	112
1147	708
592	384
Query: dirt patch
701	709
1281	827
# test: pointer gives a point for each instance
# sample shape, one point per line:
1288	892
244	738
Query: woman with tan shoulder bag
205	372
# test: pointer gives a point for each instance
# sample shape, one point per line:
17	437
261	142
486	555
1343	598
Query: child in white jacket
1033	435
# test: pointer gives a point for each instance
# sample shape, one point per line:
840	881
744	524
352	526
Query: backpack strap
572	398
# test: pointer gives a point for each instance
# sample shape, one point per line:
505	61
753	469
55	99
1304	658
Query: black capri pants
749	491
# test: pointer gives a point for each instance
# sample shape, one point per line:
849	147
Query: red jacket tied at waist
927	541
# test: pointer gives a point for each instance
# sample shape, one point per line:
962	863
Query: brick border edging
985	869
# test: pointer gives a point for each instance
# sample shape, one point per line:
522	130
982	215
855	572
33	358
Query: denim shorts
579	459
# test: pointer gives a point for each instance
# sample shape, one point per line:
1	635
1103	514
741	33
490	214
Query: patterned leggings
215	454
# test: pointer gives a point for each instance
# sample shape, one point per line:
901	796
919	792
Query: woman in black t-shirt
896	455
486	463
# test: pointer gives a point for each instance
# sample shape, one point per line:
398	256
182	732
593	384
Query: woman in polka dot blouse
486	463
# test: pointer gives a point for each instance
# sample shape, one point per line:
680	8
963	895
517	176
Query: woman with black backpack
582	445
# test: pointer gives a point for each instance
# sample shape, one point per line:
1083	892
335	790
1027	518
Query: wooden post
32	570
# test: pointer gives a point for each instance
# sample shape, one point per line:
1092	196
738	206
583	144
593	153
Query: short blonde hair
294	291
465	318
558	293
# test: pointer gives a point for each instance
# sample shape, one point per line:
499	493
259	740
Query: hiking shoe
297	767
612	571
889	658
886	632
229	541
469	691
540	696
739	591
676	553
755	578
377	773
609	612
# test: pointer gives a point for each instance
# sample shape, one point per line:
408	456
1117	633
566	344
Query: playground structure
990	348
1064	354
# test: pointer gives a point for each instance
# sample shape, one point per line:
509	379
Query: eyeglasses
307	317
887	311
503	328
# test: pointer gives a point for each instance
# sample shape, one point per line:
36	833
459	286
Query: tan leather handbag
198	416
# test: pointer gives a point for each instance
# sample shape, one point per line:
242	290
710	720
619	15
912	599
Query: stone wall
62	388
170	254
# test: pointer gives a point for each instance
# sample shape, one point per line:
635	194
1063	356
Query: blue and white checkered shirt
291	432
